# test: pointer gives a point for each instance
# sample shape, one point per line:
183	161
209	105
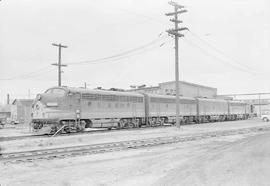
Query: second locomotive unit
74	109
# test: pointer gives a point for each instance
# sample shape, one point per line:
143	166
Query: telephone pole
59	61
178	9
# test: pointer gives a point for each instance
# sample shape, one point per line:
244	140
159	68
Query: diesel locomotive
74	109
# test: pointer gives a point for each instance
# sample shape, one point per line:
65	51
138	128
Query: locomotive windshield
57	91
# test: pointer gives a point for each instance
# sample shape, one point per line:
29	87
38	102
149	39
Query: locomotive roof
82	90
212	100
236	101
169	96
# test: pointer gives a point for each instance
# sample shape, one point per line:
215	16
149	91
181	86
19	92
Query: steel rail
11	138
47	154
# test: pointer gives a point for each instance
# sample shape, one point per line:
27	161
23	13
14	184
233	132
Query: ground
241	159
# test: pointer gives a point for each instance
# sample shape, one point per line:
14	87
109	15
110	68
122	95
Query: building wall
21	111
5	112
188	89
13	109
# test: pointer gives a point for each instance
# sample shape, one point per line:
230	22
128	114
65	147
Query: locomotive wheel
66	129
81	126
265	119
162	122
130	125
88	124
121	124
53	129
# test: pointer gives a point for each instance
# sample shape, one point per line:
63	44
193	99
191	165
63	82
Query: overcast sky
227	48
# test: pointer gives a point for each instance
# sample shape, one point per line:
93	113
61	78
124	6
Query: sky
227	46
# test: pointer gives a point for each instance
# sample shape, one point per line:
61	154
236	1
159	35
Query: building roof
145	88
22	100
170	82
188	83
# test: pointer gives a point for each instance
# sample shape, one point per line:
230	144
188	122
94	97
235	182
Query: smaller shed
21	110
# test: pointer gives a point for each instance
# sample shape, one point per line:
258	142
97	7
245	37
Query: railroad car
238	110
212	110
74	109
77	108
161	108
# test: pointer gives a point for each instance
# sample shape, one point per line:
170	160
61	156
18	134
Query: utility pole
59	61
178	9
260	110
8	99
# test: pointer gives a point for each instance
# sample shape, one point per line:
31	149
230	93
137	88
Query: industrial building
186	89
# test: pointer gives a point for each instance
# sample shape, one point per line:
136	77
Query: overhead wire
114	58
225	62
221	52
28	75
118	59
243	67
151	49
121	54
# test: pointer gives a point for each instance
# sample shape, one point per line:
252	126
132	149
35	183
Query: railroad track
11	138
29	156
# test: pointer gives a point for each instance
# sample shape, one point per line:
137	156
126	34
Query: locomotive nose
38	97
48	100
38	110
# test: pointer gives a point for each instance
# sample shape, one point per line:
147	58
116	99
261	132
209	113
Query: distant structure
261	106
186	89
5	112
259	100
21	110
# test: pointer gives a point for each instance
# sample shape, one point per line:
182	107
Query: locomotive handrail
58	131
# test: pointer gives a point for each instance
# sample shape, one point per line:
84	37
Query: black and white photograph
134	93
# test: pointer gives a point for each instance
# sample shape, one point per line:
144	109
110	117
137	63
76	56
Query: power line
217	58
118	59
28	75
122	54
96	61
123	74
220	51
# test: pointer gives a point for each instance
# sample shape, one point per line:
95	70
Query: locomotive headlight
39	97
78	114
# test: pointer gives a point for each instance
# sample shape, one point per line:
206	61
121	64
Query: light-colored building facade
186	89
5	112
21	110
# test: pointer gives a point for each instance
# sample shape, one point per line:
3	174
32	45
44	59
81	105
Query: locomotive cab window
57	91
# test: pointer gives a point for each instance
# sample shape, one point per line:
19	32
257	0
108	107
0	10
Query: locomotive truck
74	109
